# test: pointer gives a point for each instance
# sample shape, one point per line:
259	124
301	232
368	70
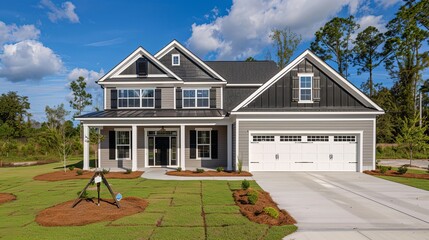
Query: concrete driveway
348	205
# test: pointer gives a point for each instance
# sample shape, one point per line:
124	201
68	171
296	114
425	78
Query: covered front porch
136	146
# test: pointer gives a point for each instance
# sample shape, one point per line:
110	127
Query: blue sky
45	44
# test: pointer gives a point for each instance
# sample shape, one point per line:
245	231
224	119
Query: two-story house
173	109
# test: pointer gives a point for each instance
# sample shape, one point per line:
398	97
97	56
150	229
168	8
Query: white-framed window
305	87
345	138
203	144
263	138
195	98
288	138
123	145
175	59
136	98
317	138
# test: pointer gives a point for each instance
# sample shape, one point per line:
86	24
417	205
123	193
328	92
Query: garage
303	152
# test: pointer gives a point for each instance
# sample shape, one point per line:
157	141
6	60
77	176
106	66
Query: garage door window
344	138
317	138
263	138
290	138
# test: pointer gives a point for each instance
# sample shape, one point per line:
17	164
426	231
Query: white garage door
303	153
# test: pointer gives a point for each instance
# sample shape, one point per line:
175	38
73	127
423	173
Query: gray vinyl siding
107	98
132	70
354	125
167	98
218	98
104	151
222	149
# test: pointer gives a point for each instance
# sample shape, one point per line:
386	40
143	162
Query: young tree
14	112
366	53
285	41
95	138
333	42
250	59
6	133
412	137
408	56
81	98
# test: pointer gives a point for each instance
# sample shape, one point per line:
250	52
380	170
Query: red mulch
255	213
87	212
188	173
6	197
393	173
61	175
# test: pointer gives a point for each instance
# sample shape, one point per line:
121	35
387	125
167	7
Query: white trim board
139	52
293	64
305	113
175	44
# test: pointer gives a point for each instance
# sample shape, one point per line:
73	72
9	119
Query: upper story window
175	59
305	88
196	98
136	98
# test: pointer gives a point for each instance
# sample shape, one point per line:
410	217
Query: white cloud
387	3
66	11
89	75
14	33
28	59
371	20
245	30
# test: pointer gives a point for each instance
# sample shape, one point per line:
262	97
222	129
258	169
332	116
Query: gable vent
142	67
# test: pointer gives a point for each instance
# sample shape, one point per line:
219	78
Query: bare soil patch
87	212
6	197
255	213
61	175
393	173
189	173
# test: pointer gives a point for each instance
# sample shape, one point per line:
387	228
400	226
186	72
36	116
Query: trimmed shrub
245	184
128	171
389	168
383	169
402	170
71	168
105	171
272	212
200	170
252	197
179	169
79	172
219	169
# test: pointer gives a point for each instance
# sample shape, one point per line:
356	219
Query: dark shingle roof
240	72
158	113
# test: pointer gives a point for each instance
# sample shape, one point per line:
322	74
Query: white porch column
85	147
134	148
182	147
229	146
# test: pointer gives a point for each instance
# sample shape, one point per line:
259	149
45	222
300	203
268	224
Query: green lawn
413	182
174	211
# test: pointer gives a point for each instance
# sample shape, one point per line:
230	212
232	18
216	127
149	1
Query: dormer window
305	88
175	59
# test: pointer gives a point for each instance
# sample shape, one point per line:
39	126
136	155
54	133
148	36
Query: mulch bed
255	213
6	197
61	175
87	212
189	173
393	173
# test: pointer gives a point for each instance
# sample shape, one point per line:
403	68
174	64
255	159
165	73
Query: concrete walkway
159	174
348	205
400	162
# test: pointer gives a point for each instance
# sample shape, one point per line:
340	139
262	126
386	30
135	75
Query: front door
162	146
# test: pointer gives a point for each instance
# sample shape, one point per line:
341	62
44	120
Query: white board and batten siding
355	153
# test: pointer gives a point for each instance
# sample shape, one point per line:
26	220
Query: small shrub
219	169
84	194
272	212
128	171
428	169
383	169
240	166
402	170
200	170
245	184
179	169
105	171
389	168
71	168
252	197
79	172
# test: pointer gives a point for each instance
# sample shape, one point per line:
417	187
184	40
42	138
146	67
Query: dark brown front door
162	145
